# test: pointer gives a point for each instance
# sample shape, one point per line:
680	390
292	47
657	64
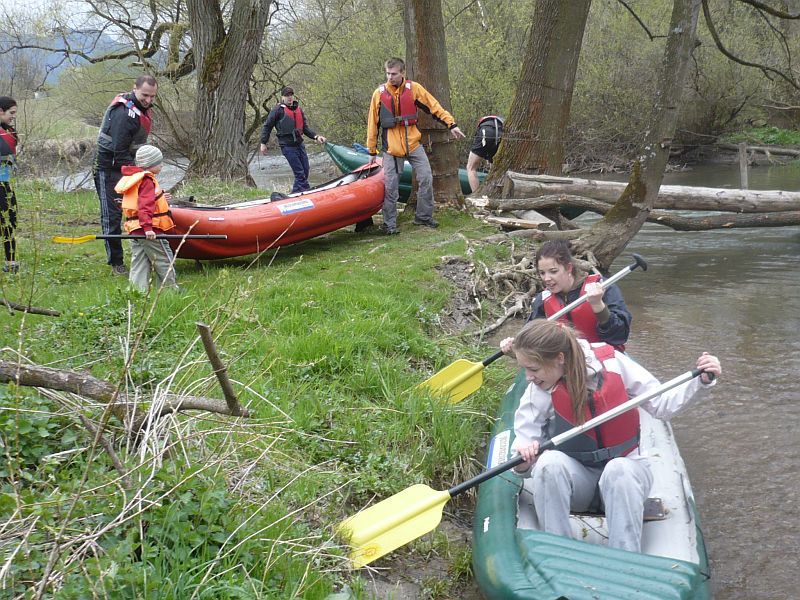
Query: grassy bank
324	340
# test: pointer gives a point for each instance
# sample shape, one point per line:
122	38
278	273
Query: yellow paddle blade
456	381
74	240
392	523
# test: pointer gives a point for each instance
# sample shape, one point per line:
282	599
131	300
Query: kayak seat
654	510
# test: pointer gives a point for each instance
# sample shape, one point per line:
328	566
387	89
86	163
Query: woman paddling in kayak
570	381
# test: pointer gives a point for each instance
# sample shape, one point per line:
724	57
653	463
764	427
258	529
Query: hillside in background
43	66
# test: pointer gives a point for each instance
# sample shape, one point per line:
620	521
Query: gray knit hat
148	156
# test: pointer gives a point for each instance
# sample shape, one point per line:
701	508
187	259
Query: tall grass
325	341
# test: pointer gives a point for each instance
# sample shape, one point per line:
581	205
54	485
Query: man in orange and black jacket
393	112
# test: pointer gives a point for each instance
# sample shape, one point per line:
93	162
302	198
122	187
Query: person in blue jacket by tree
290	125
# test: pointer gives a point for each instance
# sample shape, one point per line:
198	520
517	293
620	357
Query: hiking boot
364	225
429	223
388	230
11	266
119	270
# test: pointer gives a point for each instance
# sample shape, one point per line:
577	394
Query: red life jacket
145	121
8	144
292	123
582	317
407	111
614	438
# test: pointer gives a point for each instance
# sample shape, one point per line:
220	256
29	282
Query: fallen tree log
662	217
763	149
518	223
670	197
84	384
34	310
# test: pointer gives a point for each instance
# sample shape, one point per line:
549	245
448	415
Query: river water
734	293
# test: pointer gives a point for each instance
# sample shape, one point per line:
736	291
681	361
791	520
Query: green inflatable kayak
348	159
513	560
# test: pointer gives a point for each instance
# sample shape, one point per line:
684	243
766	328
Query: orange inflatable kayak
258	225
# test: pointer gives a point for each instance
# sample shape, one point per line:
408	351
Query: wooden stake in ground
220	370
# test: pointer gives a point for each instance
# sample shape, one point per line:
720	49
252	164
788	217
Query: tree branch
30	309
84	384
220	370
721	47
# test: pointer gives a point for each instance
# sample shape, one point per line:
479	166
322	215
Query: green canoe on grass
513	560
349	159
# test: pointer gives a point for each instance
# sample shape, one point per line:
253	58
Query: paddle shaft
603	284
164	236
591	423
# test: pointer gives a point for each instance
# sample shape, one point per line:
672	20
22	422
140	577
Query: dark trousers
110	212
298	161
8	220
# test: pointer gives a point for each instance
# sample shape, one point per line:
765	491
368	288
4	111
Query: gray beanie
148	156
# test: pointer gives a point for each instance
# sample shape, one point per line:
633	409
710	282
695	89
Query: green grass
48	118
325	339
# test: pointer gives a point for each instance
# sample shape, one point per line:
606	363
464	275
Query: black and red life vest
292	123
406	113
582	317
617	437
104	139
8	144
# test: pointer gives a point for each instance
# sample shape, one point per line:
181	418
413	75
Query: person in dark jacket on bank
124	130
290	124
8	200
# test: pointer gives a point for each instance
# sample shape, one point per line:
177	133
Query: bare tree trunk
661	217
225	62
426	52
534	130
674	197
608	238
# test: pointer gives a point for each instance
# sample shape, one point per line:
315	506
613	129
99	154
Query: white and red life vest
614	438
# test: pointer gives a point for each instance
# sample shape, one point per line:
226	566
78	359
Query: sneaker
119	270
11	266
388	230
431	223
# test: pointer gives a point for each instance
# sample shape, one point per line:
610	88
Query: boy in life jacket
570	381
290	125
146	213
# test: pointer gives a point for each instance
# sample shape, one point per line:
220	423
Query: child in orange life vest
569	377
146	213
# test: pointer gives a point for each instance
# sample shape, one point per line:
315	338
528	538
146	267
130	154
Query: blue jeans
298	161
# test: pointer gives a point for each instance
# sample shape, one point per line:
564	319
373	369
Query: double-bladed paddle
463	377
115	236
418	509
